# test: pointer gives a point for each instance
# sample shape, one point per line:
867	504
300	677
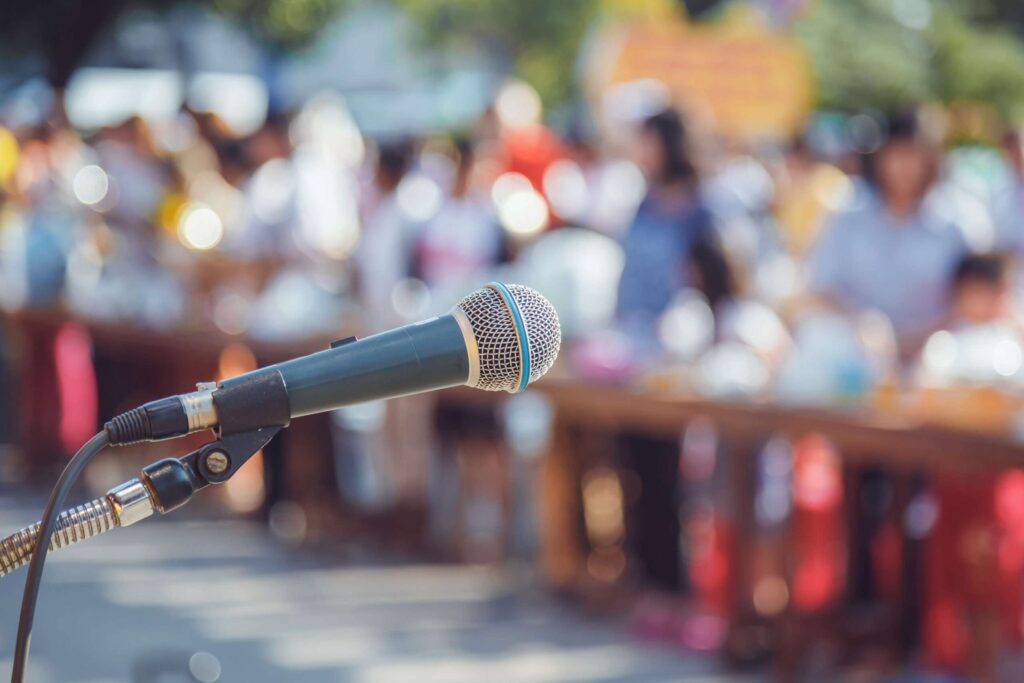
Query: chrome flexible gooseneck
122	506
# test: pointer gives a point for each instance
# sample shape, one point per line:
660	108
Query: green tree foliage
979	63
887	54
283	23
862	57
538	39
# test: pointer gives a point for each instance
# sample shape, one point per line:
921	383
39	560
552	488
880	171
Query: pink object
76	386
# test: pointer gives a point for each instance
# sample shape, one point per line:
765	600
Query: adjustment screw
217	462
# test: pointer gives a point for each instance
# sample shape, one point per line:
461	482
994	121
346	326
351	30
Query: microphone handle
423	356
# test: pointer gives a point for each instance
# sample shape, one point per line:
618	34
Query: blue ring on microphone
517	319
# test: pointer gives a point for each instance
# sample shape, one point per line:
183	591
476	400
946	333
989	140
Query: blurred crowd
867	250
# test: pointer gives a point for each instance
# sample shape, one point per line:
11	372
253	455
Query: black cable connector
130	427
161	419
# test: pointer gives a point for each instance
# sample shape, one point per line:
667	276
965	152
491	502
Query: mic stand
163	486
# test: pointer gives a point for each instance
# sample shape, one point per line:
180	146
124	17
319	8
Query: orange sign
755	83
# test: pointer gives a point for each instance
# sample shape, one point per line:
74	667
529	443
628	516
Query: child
980	291
975	553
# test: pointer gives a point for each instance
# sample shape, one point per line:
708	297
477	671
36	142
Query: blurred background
784	437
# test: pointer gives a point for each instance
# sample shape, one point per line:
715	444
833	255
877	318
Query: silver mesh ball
495	332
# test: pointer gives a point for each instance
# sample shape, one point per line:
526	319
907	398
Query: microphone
499	338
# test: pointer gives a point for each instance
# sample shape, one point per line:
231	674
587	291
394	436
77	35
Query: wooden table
908	450
860	434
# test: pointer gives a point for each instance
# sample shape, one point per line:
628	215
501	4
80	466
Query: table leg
561	554
741	485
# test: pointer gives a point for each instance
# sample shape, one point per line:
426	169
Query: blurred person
671	241
41	233
739	194
269	142
454	252
525	145
1008	205
889	249
806	189
384	254
981	325
975	552
262	168
457	247
56	368
609	191
233	160
126	153
980	291
383	258
670	244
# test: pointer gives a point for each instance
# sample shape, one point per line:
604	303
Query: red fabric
39	388
530	151
709	565
820	570
974	563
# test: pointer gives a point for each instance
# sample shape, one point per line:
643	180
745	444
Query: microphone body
424	356
499	338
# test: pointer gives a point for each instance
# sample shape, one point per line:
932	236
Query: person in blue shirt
894	247
670	243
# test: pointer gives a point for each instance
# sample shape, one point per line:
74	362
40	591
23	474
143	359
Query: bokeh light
204	667
566	188
628	182
273	190
1007	357
419	197
200	228
410	298
939	357
687	328
523	213
9	154
518	105
507	184
90	185
231	313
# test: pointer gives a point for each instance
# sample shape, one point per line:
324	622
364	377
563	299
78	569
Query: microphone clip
173	481
164	486
249	414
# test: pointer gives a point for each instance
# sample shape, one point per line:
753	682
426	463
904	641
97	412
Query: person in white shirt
463	240
384	254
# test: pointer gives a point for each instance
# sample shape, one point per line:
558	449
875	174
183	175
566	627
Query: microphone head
516	333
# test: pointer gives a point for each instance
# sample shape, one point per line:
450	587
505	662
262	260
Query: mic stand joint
163	486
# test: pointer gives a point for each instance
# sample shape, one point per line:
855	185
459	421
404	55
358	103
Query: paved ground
141	604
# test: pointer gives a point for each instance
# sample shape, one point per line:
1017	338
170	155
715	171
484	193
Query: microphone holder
163	486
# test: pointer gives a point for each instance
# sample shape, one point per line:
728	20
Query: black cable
46	527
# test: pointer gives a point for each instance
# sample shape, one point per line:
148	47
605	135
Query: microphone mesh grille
495	332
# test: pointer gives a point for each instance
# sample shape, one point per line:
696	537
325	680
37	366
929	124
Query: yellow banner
755	83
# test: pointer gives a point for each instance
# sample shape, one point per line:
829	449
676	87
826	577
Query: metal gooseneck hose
79	523
122	506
